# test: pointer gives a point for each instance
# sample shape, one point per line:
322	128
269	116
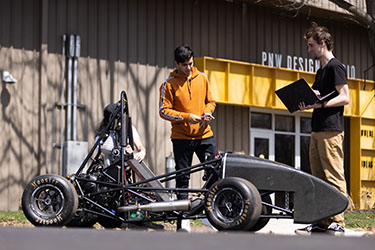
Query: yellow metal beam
250	84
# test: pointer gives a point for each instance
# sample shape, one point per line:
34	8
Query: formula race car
236	194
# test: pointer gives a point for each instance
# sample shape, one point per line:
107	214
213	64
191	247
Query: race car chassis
239	192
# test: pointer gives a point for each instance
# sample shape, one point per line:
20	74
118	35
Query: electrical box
74	152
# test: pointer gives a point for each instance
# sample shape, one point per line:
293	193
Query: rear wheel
233	204
49	200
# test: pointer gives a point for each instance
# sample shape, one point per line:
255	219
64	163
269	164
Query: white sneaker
185	225
336	229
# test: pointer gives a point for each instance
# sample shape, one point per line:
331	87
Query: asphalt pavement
12	238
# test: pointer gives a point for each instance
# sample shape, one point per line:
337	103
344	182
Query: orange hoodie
180	97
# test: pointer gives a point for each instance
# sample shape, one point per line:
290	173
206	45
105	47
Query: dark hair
108	111
319	34
183	53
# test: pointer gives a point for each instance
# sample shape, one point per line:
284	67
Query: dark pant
183	151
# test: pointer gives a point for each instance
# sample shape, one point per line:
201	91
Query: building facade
128	45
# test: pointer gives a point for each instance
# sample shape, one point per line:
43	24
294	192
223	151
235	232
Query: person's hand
128	149
302	106
194	119
139	156
317	93
207	117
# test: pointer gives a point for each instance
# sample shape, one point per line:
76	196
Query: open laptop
300	91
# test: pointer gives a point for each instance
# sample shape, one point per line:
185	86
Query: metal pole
123	137
62	108
54	145
69	89
123	144
53	140
75	72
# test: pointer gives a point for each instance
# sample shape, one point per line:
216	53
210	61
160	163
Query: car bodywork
314	199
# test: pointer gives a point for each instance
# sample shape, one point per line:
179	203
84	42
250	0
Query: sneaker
336	229
312	228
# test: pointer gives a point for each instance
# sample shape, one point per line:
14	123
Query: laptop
300	91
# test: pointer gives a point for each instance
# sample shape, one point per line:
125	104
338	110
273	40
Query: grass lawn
12	216
360	219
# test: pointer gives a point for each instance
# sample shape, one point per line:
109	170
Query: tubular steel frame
135	189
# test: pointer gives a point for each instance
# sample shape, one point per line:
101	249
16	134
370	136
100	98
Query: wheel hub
47	201
229	206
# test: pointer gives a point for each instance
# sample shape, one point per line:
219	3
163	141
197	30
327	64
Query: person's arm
166	106
140	155
341	100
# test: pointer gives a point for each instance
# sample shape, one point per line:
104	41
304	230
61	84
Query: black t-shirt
326	79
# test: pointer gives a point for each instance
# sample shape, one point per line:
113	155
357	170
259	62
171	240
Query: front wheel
266	210
49	200
233	204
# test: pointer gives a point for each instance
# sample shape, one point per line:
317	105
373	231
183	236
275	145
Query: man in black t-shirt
327	136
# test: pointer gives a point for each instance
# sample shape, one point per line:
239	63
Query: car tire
49	200
262	222
233	204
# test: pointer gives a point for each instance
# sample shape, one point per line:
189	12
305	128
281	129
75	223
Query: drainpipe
62	100
70	55
75	72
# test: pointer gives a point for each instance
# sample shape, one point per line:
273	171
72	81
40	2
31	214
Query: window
261	120
305	159
305	124
288	137
284	149
261	149
284	123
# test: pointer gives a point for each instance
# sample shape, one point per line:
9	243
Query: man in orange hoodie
186	101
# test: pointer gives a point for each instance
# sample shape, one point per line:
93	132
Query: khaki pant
327	163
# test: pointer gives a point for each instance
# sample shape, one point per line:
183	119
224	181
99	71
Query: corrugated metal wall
231	128
129	45
20	124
